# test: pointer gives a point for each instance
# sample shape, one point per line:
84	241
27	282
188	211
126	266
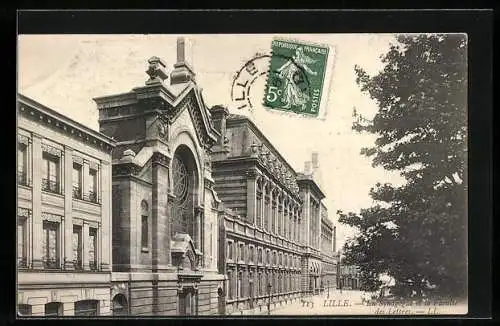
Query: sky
64	72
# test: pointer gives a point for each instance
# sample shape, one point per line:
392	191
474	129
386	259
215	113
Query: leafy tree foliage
416	232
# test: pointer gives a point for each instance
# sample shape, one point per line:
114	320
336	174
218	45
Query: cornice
116	100
125	169
314	186
33	110
245	120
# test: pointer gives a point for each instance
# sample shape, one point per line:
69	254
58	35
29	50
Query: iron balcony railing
51	263
91	196
22	178
93	265
77	264
77	192
22	262
51	186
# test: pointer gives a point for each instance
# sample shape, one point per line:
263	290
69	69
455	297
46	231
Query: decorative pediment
192	101
184	253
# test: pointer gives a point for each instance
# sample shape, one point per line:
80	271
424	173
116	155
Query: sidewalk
275	306
315	305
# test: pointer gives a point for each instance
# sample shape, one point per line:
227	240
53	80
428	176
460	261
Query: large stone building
63	215
271	242
328	256
165	209
260	242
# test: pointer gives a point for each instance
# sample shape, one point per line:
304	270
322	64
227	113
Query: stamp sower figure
292	94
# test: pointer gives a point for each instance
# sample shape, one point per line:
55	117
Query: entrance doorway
221	302
188	302
120	305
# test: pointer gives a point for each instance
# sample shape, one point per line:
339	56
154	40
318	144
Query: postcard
242	174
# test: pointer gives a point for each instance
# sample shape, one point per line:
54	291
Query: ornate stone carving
51	217
254	149
206	139
77	159
51	150
159	158
23	139
226	142
23	212
125	169
164	122
94	165
128	154
208	159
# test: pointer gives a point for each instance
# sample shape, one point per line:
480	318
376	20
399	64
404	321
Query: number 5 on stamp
296	77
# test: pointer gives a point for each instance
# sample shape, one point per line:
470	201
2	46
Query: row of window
246	253
250	285
52	309
284	222
52	238
85	187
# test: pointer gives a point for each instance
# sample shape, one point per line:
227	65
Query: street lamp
328	287
269	286
340	272
250	281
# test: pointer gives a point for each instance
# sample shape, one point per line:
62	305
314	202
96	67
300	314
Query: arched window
280	215
184	189
24	309
87	308
274	214
267	211
144	225
229	284
240	285
258	212
120	305
53	309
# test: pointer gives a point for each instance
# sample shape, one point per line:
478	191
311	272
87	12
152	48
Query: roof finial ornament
156	71
182	72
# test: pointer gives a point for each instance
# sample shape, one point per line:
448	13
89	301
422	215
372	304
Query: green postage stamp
296	77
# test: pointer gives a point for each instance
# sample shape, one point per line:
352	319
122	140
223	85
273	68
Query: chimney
182	72
314	160
307	168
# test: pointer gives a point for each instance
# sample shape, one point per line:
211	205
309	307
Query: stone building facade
165	209
64	215
262	237
328	258
273	234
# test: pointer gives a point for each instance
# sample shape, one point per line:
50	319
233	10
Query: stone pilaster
251	195
160	219
86	246
106	217
85	178
37	202
68	208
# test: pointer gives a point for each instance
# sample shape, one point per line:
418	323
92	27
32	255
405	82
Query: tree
417	232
